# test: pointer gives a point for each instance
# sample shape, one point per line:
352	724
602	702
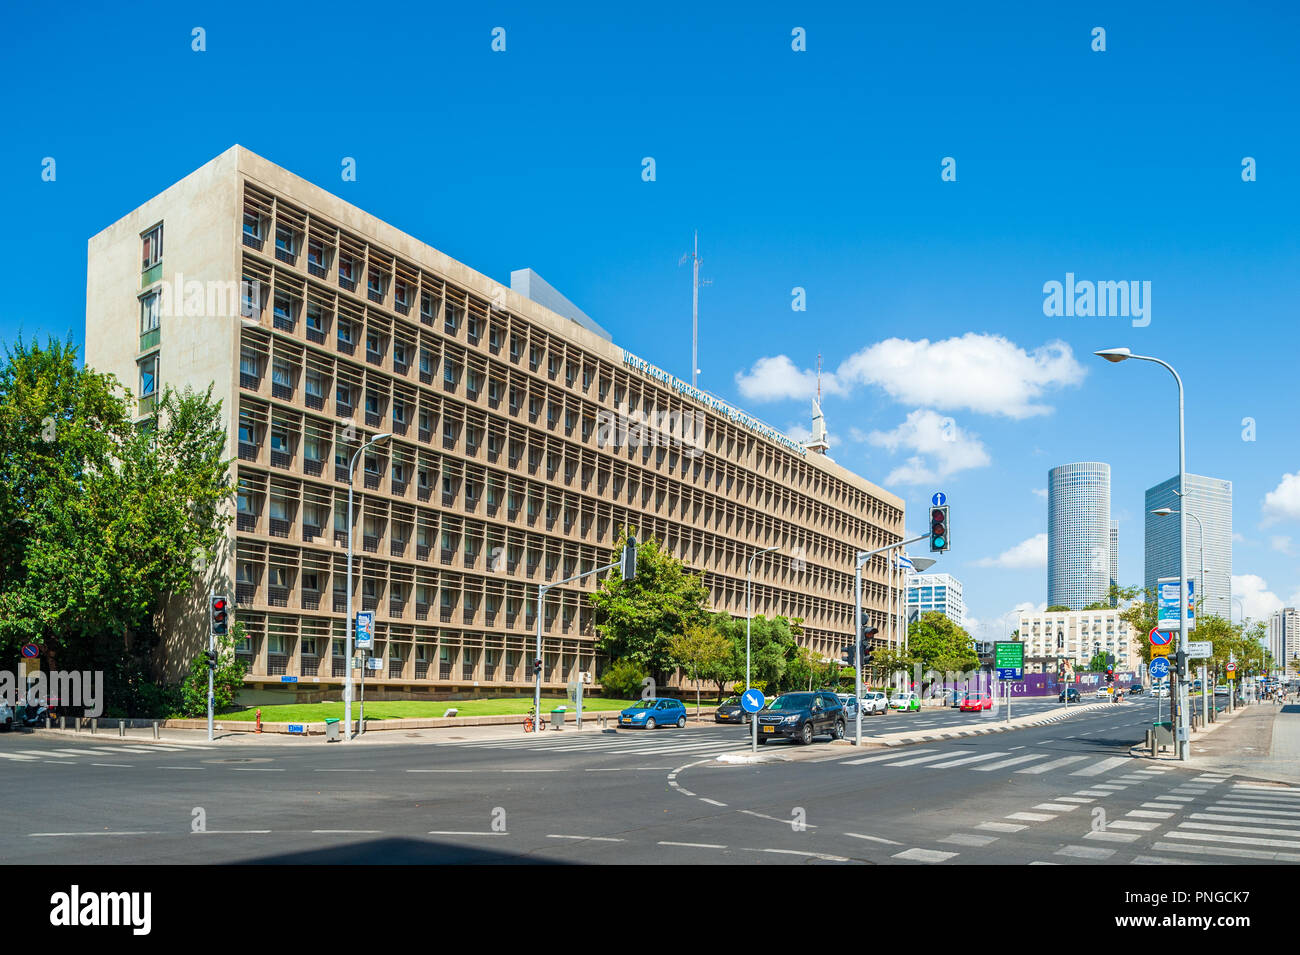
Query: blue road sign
1009	673
288	679
1159	668
1161	638
939	499
751	701
31	650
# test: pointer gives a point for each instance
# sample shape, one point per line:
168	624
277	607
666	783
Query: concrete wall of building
202	217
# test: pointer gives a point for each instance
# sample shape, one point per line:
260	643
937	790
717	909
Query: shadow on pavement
399	852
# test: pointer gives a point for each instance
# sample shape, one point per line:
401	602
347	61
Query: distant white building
1078	636
940	592
1284	641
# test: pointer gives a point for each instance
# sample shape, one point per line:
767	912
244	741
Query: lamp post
1123	354
349	626
861	558
749	616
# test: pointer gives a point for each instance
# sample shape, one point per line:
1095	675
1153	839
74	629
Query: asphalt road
1064	793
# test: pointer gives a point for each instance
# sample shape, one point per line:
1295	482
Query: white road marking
924	855
1000	827
1031	816
1096	769
858	835
1054	764
1086	852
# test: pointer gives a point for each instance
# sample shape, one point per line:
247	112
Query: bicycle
531	721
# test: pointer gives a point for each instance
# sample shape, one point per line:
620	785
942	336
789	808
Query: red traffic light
218	603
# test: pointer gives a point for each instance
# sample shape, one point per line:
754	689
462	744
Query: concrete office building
1079	533
523	443
1210	499
1078	636
1284	642
940	592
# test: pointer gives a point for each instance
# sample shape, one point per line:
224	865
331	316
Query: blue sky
817	169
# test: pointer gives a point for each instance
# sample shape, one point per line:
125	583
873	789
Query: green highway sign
1009	658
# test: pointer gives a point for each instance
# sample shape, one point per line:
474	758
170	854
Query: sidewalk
242	733
1261	740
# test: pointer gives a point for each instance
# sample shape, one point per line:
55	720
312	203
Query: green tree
226	679
622	680
1058	608
637	619
697	651
937	643
105	520
1139	610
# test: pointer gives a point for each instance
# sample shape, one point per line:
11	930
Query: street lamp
1123	354
749	614
349	627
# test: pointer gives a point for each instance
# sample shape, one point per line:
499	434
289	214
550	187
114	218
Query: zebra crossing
1027	764
638	743
58	751
1250	822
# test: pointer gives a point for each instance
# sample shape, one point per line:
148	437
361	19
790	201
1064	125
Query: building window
150	310
347	268
253	226
315	318
286	241
152	243
316	253
148	376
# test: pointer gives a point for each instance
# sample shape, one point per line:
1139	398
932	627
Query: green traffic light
939	543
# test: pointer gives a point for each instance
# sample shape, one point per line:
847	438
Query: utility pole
695	307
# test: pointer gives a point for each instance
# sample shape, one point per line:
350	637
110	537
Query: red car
976	701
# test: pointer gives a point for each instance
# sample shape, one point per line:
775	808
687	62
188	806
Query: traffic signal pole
212	646
627	561
862	557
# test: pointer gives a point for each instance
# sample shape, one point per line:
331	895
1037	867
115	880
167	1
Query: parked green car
906	702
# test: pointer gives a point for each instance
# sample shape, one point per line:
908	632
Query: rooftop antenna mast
695	308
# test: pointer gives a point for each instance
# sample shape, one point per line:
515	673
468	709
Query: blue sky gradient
816	169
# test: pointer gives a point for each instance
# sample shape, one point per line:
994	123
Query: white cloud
1280	543
940	448
983	373
1283	502
772	379
987	374
1041	492
1027	554
1257	600
803	434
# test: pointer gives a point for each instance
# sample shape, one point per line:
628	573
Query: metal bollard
63	722
94	725
155	729
1151	738
48	722
121	728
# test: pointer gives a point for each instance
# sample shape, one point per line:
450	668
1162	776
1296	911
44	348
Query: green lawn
415	709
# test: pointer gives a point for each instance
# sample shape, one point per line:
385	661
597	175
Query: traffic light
212	658
1110	674
537	666
218	607
627	567
849	656
939	539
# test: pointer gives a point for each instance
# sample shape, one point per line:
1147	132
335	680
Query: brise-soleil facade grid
502	472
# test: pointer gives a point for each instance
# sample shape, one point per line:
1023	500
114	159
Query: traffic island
884	741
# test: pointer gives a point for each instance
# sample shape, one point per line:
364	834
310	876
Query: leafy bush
226	680
622	680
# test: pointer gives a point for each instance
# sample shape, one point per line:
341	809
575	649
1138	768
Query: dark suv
1074	695
801	716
